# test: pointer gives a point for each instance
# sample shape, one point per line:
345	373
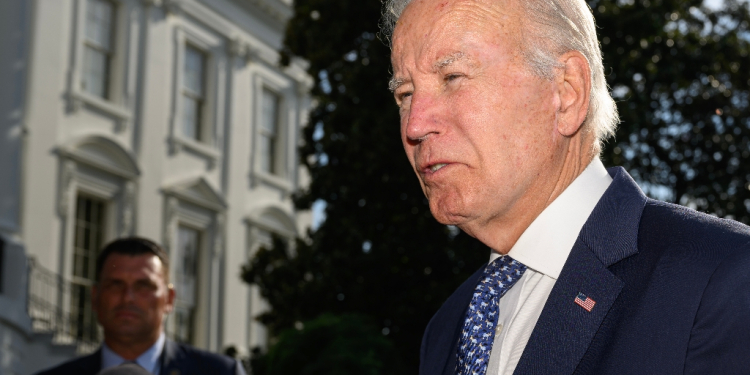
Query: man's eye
113	286
401	97
141	287
451	77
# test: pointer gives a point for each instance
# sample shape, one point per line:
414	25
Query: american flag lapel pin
585	302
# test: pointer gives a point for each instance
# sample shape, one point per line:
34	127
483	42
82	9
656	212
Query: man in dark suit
131	297
504	108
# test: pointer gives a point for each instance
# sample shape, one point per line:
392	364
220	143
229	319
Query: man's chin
126	324
452	219
127	333
446	214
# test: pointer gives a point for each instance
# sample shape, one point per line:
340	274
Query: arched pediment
273	219
197	191
103	153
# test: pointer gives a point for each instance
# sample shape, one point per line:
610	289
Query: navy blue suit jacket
176	359
672	292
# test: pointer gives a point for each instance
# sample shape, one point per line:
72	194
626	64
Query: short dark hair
132	246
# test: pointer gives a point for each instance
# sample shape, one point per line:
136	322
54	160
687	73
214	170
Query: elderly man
131	298
504	108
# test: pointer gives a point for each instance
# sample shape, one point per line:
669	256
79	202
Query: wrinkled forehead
120	265
427	26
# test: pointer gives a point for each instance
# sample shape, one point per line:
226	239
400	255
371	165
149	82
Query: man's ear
574	89
170	298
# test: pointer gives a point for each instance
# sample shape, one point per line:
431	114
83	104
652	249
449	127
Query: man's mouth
436	167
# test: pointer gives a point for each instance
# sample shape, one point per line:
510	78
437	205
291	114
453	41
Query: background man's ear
574	88
170	298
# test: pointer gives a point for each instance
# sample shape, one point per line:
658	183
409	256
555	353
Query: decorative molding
304	85
273	219
170	221
218	245
198	192
177	144
239	48
155	3
277	9
102	153
128	205
74	102
67	178
77	99
173	6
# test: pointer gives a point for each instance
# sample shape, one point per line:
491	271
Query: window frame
82	281
198	97
200	273
271	134
121	66
107	52
207	214
214	74
285	154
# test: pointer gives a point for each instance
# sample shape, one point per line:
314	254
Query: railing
58	306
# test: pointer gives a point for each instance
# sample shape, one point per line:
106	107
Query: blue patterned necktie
475	344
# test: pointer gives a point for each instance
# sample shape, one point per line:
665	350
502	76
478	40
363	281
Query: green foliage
331	345
680	74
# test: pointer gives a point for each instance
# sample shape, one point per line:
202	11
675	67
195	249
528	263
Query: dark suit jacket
672	292
176	359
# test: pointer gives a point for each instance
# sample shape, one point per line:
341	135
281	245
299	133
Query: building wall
127	150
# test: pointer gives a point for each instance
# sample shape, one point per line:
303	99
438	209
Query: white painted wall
56	141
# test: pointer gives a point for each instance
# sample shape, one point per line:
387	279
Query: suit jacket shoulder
676	299
180	359
86	365
712	257
177	359
672	292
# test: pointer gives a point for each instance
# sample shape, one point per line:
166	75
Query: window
88	240
193	94
2	264
186	277
97	49
269	131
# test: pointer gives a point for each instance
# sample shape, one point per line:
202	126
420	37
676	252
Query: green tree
678	71
331	345
681	74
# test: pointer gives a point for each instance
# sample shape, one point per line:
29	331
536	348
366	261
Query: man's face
132	298
477	126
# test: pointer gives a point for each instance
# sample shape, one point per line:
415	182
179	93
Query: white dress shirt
543	248
148	360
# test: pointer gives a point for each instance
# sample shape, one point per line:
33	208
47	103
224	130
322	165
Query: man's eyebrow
447	60
395	83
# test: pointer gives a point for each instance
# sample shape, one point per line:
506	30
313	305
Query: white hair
554	28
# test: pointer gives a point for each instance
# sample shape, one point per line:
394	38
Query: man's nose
423	118
128	293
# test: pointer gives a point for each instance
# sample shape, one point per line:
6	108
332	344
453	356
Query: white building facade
166	119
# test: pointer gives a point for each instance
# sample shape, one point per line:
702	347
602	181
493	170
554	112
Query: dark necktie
478	333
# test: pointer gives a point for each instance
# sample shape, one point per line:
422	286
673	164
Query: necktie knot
478	333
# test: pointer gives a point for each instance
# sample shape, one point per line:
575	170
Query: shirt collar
545	245
148	360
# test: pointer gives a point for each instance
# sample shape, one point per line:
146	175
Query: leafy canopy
679	73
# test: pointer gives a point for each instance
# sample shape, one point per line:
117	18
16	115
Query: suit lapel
440	342
92	364
565	330
169	362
